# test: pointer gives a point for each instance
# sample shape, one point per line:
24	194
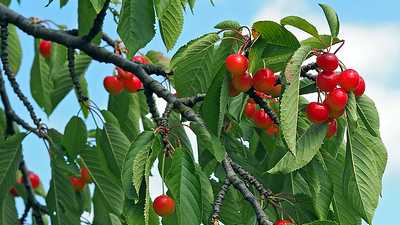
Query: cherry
77	183
133	84
262	119
13	192
113	85
250	110
317	112
140	59
122	74
164	205
45	48
242	82
283	222
349	79
264	80
327	81
328	61
337	99
333	114
232	90
237	64
276	91
33	177
360	88
85	176
272	130
332	128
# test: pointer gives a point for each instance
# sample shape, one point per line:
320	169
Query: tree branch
97	23
252	94
218	202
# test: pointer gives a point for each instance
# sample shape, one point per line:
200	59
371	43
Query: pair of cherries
79	183
33	178
124	79
264	80
336	86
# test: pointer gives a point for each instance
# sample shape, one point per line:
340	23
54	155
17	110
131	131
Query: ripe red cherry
272	130
133	84
332	128
250	110
337	99
85	176
77	183
139	59
335	114
262	119
237	64
242	82
122	74
264	80
360	89
45	48
328	61
326	81
34	178
232	90
282	222
348	80
276	91
317	112
164	205
113	85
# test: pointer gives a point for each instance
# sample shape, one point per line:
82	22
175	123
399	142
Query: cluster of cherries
79	183
124	79
336	87
34	179
264	82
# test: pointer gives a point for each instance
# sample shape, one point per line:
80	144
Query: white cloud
371	49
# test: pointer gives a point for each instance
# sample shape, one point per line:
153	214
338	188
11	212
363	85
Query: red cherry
122	74
85	176
35	180
242	82
283	222
276	91
264	80
317	112
349	79
332	128
232	90
133	84
327	81
113	85
164	205
335	114
140	59
250	110
360	89
328	61
262	119
272	130
13	192
77	183
337	99
237	64
45	48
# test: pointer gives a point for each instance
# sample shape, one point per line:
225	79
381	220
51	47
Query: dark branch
219	201
306	68
74	77
98	23
192	101
252	94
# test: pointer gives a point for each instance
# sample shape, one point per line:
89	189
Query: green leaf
322	222
323	42
97	4
208	141
332	18
108	185
301	24
63	3
134	164
86	16
115	146
136	24
193	66
290	99
368	113
126	108
207	195
148	210
171	22
114	219
75	136
228	24
14	49
5	2
3	122
10	154
351	110
8	211
362	181
61	199
307	147
185	188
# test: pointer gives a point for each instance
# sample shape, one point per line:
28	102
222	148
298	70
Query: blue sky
371	29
